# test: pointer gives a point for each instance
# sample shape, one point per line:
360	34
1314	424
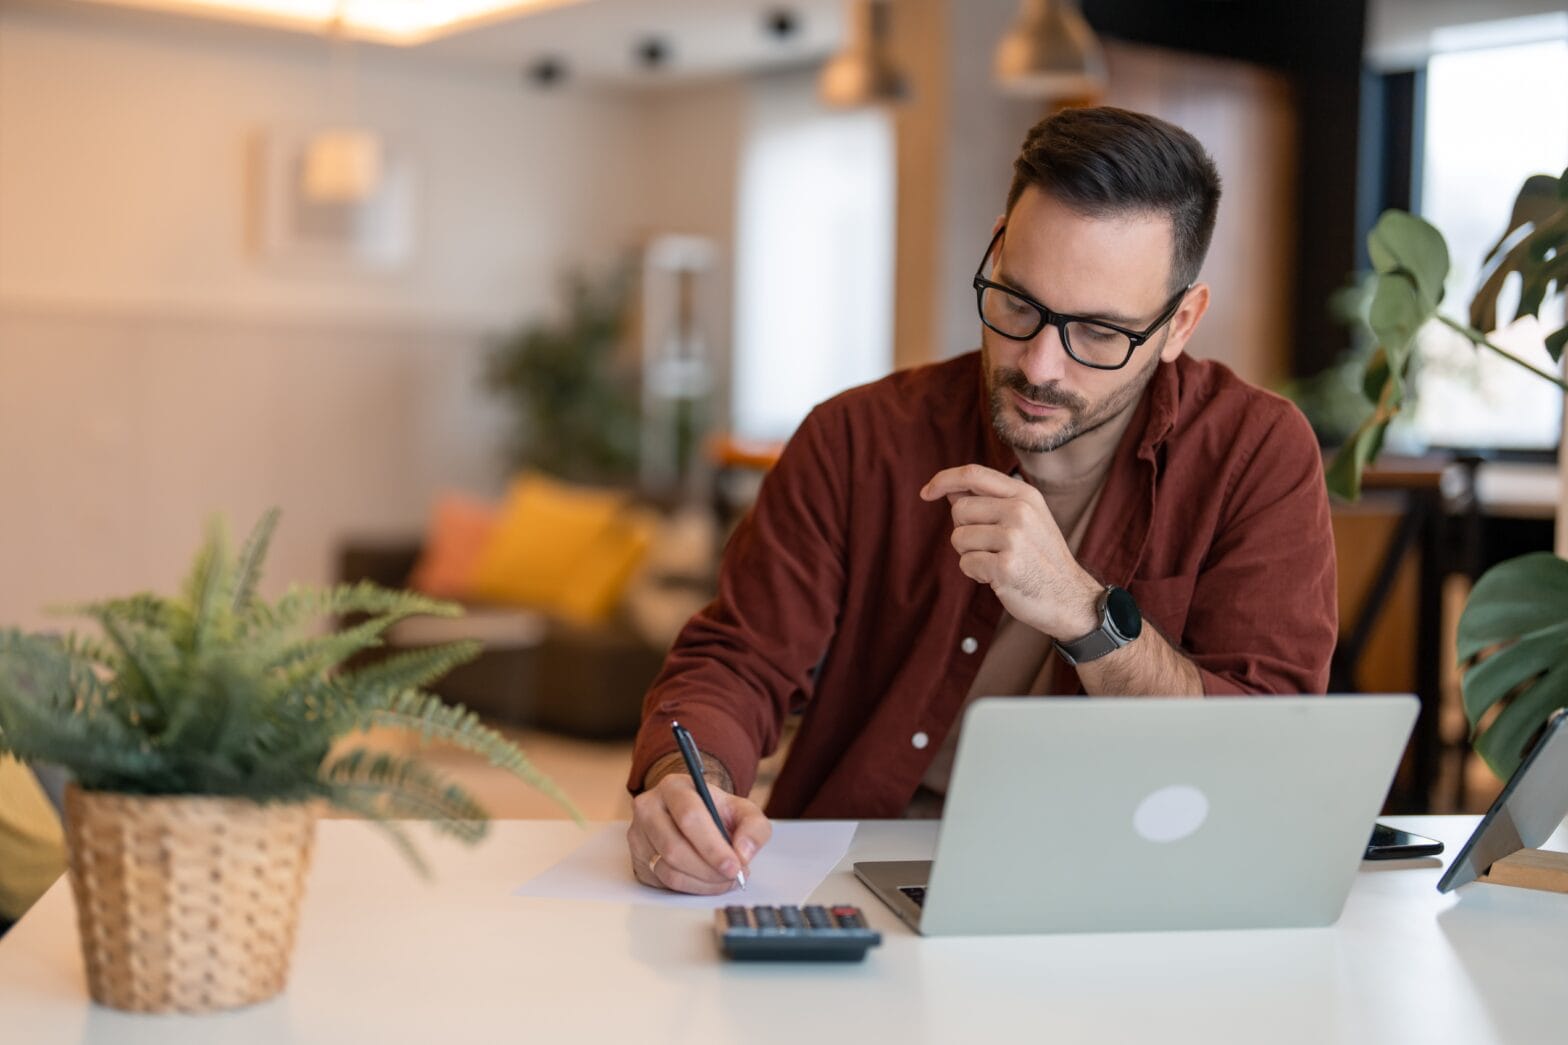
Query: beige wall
153	370
123	174
120	433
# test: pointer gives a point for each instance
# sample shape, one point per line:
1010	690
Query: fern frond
352	801
147	660
35	670
90	649
248	572
408	789
221	701
308	658
47	673
209	588
92	693
97	760
145	608
40	721
434	719
302	605
413	670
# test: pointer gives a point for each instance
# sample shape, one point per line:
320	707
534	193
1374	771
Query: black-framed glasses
1092	342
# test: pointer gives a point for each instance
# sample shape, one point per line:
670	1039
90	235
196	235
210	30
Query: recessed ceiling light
546	72
781	23
653	52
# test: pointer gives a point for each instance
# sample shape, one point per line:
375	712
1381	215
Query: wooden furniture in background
738	467
1245	116
1415	527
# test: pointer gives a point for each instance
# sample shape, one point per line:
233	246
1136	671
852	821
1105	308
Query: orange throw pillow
460	527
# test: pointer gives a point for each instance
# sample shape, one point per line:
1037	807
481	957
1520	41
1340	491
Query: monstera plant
1513	635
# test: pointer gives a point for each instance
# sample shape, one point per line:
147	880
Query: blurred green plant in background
573	393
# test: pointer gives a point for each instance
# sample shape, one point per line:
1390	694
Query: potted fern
201	732
1513	634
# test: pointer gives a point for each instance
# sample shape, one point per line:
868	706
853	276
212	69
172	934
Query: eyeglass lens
1014	317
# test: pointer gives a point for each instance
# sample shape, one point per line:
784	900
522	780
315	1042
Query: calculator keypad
788	933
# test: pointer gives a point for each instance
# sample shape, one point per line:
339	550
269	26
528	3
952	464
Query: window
1495	114
814	255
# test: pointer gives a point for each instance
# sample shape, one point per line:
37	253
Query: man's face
1116	269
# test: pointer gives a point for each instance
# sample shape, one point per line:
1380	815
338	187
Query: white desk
384	957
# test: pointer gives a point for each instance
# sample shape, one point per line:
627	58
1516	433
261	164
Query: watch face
1123	614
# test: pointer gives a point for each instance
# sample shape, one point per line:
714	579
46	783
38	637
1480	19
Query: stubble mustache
1046	395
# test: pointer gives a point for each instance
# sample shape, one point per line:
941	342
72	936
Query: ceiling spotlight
781	23
546	72
1050	53
863	72
653	53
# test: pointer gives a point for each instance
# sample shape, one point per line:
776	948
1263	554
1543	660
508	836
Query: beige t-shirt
1018	664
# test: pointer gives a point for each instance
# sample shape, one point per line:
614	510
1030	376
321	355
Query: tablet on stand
1505	846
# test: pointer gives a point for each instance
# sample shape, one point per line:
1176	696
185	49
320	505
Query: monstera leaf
1411	261
1535	246
1513	636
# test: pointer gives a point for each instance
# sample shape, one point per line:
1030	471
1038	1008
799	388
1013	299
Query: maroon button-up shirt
840	595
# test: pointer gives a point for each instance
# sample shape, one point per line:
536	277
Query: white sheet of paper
799	856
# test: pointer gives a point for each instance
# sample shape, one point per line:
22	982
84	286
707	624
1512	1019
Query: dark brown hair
1109	161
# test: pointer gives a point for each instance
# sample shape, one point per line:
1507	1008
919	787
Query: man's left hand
1006	537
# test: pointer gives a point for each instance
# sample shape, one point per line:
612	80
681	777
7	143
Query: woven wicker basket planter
186	904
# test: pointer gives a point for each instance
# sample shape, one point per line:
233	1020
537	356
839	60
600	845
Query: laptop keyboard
917	893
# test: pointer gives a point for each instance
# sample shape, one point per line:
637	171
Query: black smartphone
1390	843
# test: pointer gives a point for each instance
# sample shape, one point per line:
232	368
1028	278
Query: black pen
694	767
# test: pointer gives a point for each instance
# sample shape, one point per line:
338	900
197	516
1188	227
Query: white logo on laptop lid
1170	813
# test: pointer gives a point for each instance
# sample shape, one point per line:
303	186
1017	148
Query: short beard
1079	421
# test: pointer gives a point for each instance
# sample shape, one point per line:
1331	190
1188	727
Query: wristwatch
1120	623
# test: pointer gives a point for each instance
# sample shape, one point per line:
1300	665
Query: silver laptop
1075	815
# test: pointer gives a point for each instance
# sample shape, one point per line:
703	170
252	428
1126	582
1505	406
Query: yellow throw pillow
600	577
546	552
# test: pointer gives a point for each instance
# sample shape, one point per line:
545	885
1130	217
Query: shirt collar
1162	396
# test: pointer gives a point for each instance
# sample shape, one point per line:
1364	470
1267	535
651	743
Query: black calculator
804	934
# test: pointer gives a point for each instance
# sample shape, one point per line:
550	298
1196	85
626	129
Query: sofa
537	670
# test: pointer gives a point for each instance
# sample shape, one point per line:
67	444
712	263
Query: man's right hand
675	844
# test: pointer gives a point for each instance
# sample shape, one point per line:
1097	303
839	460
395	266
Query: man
1079	508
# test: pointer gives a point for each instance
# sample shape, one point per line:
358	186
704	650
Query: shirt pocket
1164	601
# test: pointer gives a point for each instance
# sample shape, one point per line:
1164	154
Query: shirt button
920	740
969	645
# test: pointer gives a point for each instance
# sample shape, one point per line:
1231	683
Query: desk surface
385	957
